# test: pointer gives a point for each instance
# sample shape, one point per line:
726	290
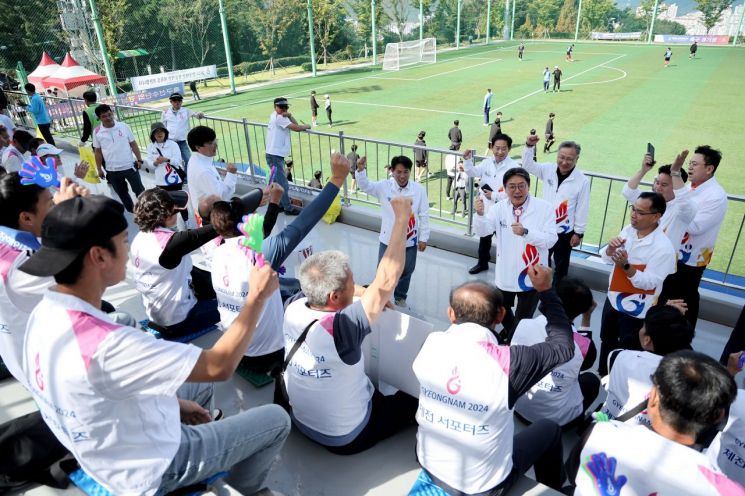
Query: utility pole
579	16
739	25
421	20
651	24
488	20
312	38
506	30
374	33
226	41
102	46
457	26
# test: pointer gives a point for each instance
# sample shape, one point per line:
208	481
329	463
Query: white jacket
418	229
490	172
654	259
571	199
515	254
697	245
679	212
204	180
165	175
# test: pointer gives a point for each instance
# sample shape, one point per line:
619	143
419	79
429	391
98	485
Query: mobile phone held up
650	150
486	187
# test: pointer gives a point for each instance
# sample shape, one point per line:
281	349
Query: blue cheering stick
34	171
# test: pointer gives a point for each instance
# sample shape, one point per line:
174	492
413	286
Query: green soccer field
614	99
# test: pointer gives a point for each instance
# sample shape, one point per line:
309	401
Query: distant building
693	21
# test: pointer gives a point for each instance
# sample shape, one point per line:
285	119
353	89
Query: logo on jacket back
530	258
453	384
685	248
562	214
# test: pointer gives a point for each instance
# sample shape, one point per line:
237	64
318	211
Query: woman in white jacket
165	157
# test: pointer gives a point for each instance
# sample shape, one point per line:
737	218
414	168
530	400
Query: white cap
47	149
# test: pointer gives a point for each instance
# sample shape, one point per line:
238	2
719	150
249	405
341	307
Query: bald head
476	302
205	205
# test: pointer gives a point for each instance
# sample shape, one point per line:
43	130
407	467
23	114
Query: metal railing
243	142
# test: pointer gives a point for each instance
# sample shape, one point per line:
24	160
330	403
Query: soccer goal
398	55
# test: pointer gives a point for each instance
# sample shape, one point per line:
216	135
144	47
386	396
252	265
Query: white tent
72	75
46	68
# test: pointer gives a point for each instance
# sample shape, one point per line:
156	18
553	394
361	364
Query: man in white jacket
525	230
568	190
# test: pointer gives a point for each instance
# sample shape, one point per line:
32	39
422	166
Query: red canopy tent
71	75
46	68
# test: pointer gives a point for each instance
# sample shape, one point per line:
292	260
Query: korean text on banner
165	78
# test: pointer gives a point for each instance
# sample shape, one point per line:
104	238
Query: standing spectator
491	188
568	190
333	402
353	157
176	118
642	256
38	109
546	79
570	49
455	136
278	145
327	106
420	155
520	50
465	450
114	143
495	128
668	56
194	91
165	157
202	175
451	168
697	245
525	229
557	79
14	155
487	106
460	183
46	151
127	379
694	49
417	231
550	139
90	120
313	109
316	181
679	211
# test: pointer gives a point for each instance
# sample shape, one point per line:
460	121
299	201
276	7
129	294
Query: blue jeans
185	152
281	179
402	289
486	115
245	444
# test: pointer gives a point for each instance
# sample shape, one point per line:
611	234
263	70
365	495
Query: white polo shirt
177	123
114	143
516	254
19	295
107	392
679	212
278	135
418	229
204	180
654	259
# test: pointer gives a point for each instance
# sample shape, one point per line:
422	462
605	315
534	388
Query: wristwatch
626	266
525	232
675	173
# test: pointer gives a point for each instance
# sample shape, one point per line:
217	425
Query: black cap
71	228
247	203
176	96
180	198
281	101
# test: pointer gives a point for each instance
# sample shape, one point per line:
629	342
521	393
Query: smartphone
650	150
486	187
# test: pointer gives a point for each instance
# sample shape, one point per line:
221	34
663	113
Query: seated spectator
178	297
564	394
202	175
233	262
727	450
165	157
14	155
469	386
691	392
316	181
35	144
665	331
333	402
45	150
88	373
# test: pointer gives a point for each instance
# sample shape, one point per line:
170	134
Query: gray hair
323	273
571	144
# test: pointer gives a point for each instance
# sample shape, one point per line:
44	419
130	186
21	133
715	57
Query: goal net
399	55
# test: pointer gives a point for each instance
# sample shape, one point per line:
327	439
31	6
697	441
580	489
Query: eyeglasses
519	186
636	211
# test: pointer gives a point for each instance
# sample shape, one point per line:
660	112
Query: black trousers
561	252
485	250
449	186
538	446
119	180
46	133
527	302
557	84
684	284
263	364
617	330
589	385
389	415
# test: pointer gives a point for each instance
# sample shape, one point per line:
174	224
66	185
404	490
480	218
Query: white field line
439	73
499	107
623	75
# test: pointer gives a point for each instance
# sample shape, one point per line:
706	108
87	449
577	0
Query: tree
328	22
270	20
526	30
191	22
712	11
362	9
567	17
595	14
397	13
113	20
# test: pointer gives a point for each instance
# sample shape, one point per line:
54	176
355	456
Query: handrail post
248	148
345	195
